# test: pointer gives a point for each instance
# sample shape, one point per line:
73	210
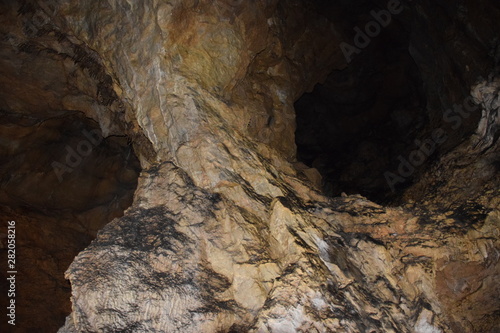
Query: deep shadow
61	182
353	126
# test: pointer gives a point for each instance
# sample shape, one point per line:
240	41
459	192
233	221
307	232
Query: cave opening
353	126
364	121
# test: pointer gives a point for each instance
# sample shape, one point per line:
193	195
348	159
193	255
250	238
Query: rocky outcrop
226	233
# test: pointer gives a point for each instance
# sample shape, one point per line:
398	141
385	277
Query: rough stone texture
224	234
475	159
49	88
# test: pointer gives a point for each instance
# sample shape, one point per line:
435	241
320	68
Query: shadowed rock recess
252	166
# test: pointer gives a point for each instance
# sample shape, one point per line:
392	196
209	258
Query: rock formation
228	231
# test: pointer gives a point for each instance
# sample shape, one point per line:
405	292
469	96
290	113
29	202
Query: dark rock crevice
402	102
67	165
61	182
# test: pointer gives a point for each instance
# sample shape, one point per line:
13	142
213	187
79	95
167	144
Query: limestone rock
226	231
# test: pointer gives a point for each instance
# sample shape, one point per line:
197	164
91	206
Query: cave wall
60	180
223	234
58	199
459	62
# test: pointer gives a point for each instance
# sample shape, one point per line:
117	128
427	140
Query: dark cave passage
61	182
353	126
367	122
67	158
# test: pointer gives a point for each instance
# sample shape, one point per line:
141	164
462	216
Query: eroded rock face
223	234
60	180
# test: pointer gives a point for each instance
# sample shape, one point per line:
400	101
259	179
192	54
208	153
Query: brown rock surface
227	231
